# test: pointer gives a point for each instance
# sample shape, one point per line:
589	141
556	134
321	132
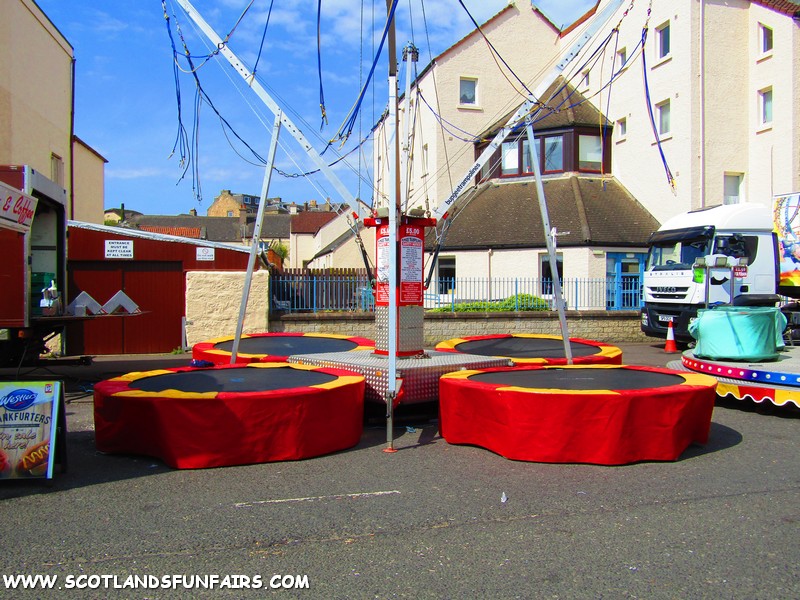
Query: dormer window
571	150
590	153
553	154
510	158
577	146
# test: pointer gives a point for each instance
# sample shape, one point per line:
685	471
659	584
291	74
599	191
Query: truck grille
668	293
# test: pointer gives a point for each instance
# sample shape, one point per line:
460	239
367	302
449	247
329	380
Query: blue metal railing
315	293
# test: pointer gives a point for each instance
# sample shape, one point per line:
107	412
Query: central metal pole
551	252
394	204
256	241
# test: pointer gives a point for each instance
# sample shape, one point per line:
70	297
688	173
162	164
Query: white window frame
622	129
661	31
738	180
766	37
664	108
765	104
474	81
585	78
622	58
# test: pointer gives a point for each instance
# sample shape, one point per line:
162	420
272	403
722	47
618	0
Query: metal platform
776	381
420	374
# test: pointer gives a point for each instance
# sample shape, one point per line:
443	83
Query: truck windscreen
677	255
677	249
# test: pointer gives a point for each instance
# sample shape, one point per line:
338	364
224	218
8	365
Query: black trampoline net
245	379
579	379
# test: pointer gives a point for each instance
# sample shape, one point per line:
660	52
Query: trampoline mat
516	347
244	379
287	345
579	379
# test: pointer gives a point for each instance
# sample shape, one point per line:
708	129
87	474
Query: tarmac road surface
426	522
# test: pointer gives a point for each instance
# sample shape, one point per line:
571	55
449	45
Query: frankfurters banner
28	423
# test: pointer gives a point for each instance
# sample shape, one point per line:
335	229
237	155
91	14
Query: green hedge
520	302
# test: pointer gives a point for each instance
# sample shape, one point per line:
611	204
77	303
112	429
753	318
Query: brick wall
601	326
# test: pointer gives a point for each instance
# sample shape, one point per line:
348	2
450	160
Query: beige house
723	81
325	240
89	183
36	127
463	87
228	204
721	77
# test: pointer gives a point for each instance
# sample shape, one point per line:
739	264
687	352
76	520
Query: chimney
242	215
313	204
293	208
193	212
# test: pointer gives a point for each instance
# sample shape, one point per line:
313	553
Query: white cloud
135	173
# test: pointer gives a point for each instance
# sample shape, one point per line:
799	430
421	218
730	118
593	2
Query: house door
624	275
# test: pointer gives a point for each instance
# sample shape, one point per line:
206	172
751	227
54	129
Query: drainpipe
702	104
489	261
72	144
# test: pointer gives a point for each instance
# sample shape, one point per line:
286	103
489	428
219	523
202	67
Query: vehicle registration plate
666	318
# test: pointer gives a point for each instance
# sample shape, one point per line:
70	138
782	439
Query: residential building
113	216
89	182
697	112
36	109
227	204
460	93
722	81
324	240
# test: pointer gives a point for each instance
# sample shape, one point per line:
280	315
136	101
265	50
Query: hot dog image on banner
27	428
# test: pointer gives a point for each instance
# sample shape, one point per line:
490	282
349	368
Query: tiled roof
567	108
215	229
586	211
311	221
782	6
187	232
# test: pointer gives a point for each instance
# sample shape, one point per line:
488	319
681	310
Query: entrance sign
29	418
119	249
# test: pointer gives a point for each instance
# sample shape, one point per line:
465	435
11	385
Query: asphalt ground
428	521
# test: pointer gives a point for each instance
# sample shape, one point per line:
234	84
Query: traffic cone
670	346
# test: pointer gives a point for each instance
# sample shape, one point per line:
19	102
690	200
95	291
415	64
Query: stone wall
213	301
602	326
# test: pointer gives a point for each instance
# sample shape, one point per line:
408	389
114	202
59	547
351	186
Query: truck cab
33	238
720	255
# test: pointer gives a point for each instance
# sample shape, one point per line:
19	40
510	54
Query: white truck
741	254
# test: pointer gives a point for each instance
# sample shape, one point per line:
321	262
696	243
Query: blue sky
126	106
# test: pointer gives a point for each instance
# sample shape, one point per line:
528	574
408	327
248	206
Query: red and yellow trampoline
276	347
600	414
531	348
230	414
